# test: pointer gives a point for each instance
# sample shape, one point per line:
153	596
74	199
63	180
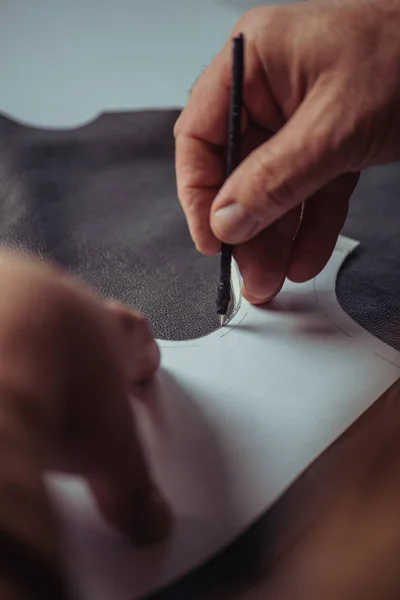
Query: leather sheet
368	286
100	200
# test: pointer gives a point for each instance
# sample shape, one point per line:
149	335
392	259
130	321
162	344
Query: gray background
63	62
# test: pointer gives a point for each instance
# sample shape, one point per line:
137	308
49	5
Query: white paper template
244	411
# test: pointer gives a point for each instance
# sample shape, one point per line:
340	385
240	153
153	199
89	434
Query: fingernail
260	299
252	298
234	224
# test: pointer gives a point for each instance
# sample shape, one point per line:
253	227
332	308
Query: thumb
282	173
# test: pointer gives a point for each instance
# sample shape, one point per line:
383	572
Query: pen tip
221	320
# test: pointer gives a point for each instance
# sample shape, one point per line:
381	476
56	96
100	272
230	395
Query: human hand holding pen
323	77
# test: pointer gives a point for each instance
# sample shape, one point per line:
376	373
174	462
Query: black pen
233	159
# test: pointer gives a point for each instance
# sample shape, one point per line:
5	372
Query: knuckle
190	199
270	191
261	22
281	196
253	17
195	206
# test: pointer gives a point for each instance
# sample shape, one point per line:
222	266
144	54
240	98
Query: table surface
63	63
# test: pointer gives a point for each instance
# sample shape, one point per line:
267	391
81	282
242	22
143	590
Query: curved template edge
235	318
335	313
332	310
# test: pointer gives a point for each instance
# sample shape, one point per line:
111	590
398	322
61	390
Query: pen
233	159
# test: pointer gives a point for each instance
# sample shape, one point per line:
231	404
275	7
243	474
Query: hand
74	359
323	77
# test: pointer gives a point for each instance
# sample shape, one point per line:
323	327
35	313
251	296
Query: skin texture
321	103
73	360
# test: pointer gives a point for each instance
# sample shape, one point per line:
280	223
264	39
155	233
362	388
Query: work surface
101	201
62	64
335	535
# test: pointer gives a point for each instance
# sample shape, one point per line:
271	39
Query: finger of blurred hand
119	475
264	260
201	134
59	349
108	448
322	220
138	350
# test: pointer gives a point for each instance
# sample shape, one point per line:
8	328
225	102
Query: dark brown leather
368	286
101	201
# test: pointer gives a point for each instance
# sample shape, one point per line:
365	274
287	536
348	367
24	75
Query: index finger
200	137
202	129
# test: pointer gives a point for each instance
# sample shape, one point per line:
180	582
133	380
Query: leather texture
368	286
100	201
